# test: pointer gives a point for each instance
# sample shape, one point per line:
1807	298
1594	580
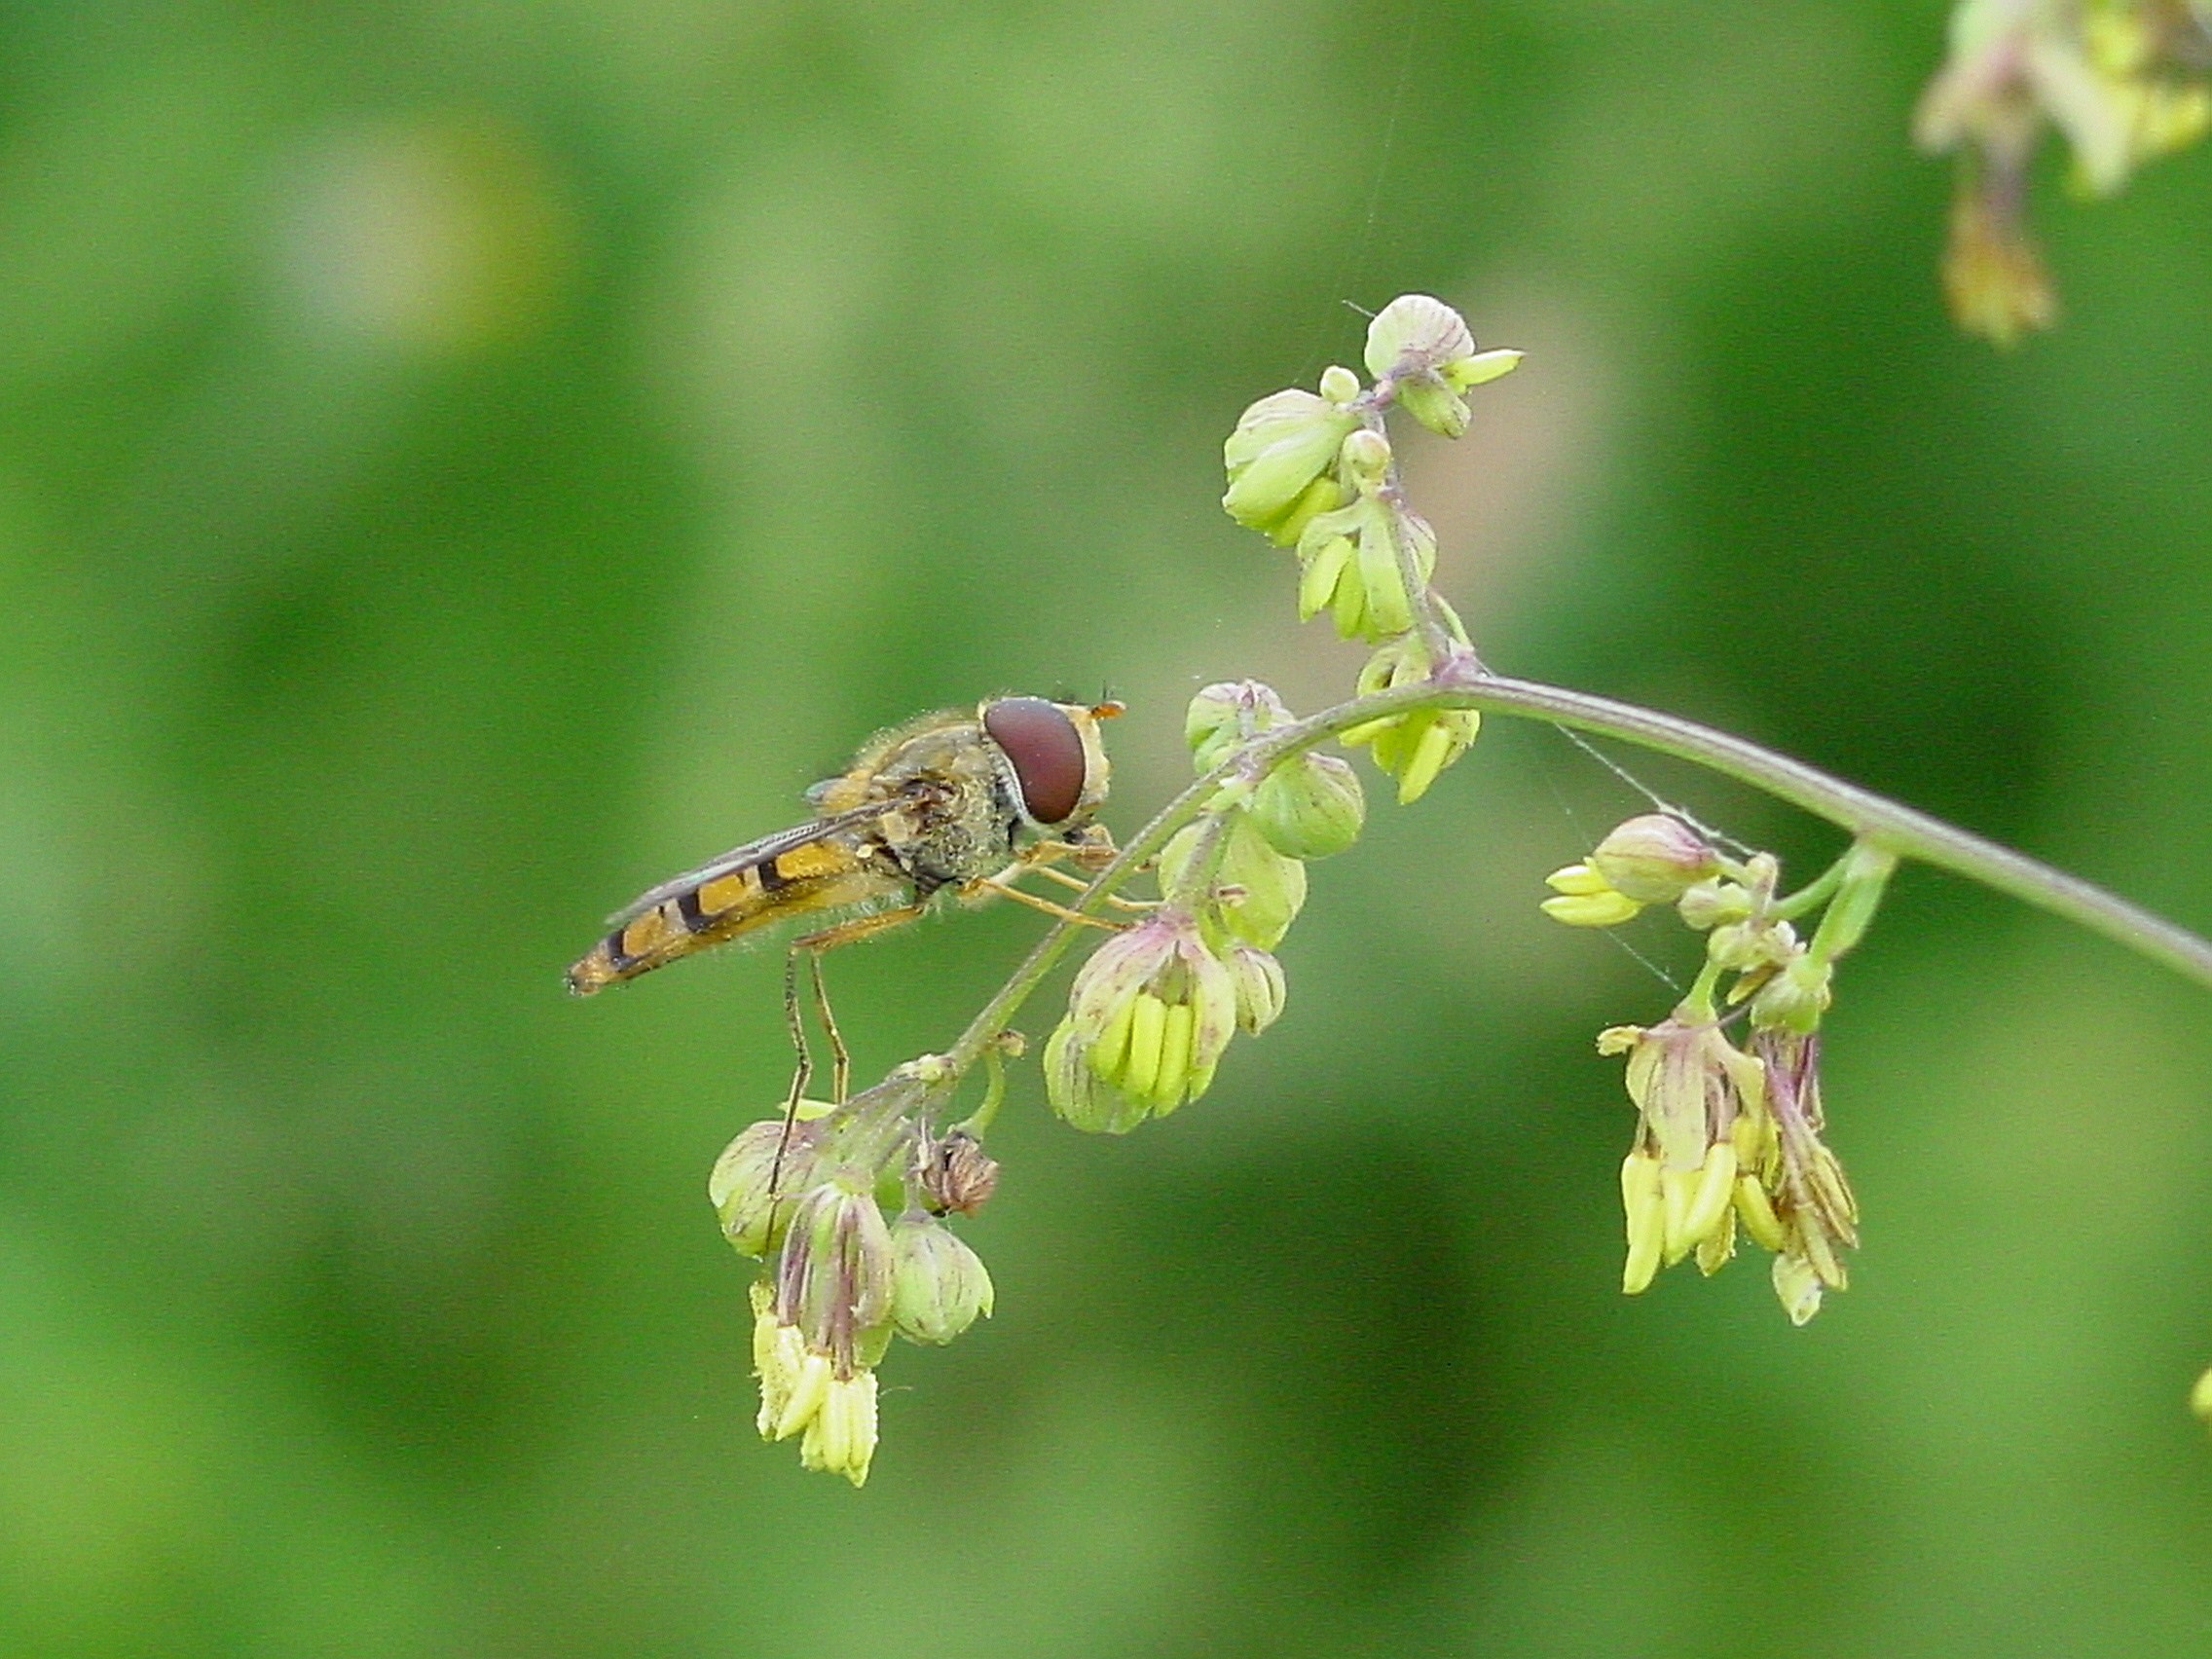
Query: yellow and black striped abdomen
802	881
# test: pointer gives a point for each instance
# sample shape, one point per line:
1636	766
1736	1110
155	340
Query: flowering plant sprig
1729	1133
2123	82
847	1204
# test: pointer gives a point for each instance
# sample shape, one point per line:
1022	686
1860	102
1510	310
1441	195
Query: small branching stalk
847	1205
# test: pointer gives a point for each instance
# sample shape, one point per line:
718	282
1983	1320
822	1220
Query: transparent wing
751	854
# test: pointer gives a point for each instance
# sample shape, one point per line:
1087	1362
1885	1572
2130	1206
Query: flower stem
1869	817
1460	683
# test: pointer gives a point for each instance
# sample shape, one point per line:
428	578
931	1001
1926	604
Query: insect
952	800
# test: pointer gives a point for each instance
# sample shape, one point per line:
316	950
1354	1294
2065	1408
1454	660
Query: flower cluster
1315	471
1152	1012
810	1193
1728	1133
2122	79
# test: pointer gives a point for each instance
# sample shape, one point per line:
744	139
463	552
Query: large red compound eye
1046	753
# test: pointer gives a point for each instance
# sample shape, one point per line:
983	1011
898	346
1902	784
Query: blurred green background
463	462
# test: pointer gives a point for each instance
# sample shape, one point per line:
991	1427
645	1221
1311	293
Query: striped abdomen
809	878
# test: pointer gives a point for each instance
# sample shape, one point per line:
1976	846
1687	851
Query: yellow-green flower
803	1393
1148	1018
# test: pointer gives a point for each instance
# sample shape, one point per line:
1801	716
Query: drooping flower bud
1281	445
1260	989
1310	807
1654	859
938	1284
753	1180
834	1281
1714	904
1415	747
1256	892
1223	714
1148	1017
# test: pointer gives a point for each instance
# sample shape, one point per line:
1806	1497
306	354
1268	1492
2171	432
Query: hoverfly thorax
1053	762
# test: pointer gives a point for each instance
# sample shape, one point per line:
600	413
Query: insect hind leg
840	1060
811	946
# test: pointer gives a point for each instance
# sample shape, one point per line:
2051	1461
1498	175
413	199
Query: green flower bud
1339	384
1260	987
1310	807
938	1284
1714	904
751	1191
1225	714
1366	455
1654	859
1272	887
1281	445
1795	997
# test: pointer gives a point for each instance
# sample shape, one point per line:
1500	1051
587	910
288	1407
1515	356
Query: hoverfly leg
1002	884
840	1061
801	1074
811	946
1081	886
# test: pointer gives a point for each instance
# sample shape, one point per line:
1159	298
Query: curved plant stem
1462	684
1867	816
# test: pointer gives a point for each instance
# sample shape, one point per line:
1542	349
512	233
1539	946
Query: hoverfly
952	800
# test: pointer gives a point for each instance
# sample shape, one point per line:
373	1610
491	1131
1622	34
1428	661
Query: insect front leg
1002	884
1081	886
